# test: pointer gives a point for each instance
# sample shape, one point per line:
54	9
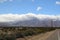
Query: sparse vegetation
11	33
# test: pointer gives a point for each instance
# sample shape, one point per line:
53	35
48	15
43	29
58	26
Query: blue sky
30	6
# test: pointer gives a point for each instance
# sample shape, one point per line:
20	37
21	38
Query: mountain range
34	21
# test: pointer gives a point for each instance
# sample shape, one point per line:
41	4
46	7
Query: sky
12	10
50	7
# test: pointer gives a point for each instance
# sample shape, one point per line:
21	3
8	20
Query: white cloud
2	1
58	2
22	17
11	0
33	0
39	8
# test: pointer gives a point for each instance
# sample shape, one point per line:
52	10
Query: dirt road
52	35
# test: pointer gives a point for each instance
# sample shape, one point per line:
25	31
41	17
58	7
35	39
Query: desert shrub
28	33
7	37
19	35
10	37
21	32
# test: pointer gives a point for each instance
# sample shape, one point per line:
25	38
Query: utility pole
51	23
